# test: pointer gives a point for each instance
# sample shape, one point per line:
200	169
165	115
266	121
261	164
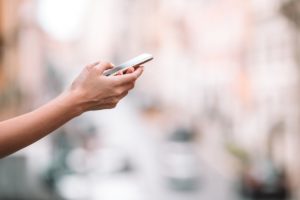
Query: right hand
95	91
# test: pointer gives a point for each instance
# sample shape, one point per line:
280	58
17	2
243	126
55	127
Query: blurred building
226	70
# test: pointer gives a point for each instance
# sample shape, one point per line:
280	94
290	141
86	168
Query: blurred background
216	114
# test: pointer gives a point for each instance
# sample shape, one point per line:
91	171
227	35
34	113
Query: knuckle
134	76
113	105
115	100
117	82
125	93
131	86
118	92
89	67
105	63
133	79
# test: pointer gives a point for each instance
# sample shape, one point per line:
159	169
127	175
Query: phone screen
141	59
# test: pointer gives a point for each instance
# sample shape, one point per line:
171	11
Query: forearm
22	131
91	90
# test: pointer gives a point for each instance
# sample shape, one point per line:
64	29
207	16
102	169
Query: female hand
91	90
94	91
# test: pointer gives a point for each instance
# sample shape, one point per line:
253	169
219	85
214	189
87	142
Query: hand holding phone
135	62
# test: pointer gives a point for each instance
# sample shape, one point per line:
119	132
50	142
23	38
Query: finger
129	70
127	87
105	106
90	67
116	99
95	63
119	73
108	70
102	66
128	78
110	101
123	95
113	98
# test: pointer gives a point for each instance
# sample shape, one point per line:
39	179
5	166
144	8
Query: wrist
72	102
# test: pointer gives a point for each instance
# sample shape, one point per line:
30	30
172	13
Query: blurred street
215	115
142	147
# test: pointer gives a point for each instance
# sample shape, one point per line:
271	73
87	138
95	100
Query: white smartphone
134	62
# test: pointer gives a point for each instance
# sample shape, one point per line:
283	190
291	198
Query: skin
91	90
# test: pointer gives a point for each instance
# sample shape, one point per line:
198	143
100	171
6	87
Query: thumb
102	66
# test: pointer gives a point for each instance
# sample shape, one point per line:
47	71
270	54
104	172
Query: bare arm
90	91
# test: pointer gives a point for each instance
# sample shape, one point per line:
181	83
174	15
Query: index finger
127	78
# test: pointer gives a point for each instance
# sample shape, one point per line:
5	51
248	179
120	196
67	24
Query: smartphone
134	62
